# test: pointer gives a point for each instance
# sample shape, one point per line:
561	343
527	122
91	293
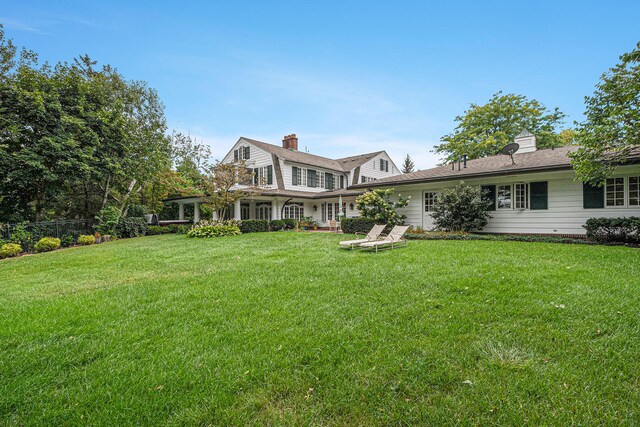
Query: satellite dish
509	149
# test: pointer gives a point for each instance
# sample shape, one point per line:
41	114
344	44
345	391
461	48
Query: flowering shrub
377	205
461	208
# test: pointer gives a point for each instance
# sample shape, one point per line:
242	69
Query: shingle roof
344	164
547	159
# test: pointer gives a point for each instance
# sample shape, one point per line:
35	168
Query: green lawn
285	329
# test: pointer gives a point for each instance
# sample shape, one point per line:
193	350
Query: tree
611	130
460	208
484	129
377	205
226	183
408	165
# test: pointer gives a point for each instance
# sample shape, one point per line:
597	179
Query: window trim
429	207
526	196
624	193
511	204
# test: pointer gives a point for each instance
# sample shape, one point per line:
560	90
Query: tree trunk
105	195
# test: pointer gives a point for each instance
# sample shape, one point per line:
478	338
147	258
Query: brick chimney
290	142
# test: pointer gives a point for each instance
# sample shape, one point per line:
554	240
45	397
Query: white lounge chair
395	239
374	234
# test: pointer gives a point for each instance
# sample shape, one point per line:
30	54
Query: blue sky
346	76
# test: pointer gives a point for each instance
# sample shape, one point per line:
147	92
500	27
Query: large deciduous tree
226	183
611	129
484	129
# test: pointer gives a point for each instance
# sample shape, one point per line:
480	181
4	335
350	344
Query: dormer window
242	153
384	165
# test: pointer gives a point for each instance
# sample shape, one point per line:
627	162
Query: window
634	191
539	195
592	196
615	192
489	195
321	181
330	181
522	196
323	207
263	175
384	165
311	178
296	176
429	201
242	153
293	211
364	179
504	197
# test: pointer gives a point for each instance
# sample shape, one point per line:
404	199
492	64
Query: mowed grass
285	329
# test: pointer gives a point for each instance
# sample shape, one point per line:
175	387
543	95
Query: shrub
182	229
47	244
131	227
461	208
85	240
213	231
135	211
67	240
283	224
493	237
254	225
357	225
10	250
626	229
22	237
308	222
108	220
377	205
154	230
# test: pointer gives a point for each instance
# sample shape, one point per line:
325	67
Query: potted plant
98	237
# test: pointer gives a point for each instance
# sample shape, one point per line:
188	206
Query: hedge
154	230
254	225
621	230
283	224
494	238
84	240
357	225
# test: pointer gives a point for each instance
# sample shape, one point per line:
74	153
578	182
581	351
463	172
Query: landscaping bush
108	220
22	237
283	224
131	227
493	237
357	225
67	240
254	225
182	228
136	211
154	230
10	250
378	206
213	231
623	230
461	208
84	240
47	244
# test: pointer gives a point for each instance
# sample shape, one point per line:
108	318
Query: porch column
275	211
252	209
181	211
214	215
237	214
196	212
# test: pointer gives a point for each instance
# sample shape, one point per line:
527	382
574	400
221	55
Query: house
294	184
531	192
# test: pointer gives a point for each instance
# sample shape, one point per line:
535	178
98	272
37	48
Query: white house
296	184
535	193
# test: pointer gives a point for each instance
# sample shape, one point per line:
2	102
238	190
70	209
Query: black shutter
539	195
382	165
235	155
294	175
269	175
247	152
341	181
592	197
489	194
386	165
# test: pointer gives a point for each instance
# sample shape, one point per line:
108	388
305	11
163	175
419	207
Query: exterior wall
286	168
565	213
371	168
258	158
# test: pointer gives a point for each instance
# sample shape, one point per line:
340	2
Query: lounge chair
395	239
374	234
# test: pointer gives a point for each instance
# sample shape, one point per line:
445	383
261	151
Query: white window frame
615	192
498	187
515	198
429	200
635	193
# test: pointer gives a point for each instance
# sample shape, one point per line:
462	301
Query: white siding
286	168
565	213
258	158
371	168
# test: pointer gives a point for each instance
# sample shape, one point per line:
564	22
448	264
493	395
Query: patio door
245	211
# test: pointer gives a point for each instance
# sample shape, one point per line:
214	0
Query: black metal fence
59	228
